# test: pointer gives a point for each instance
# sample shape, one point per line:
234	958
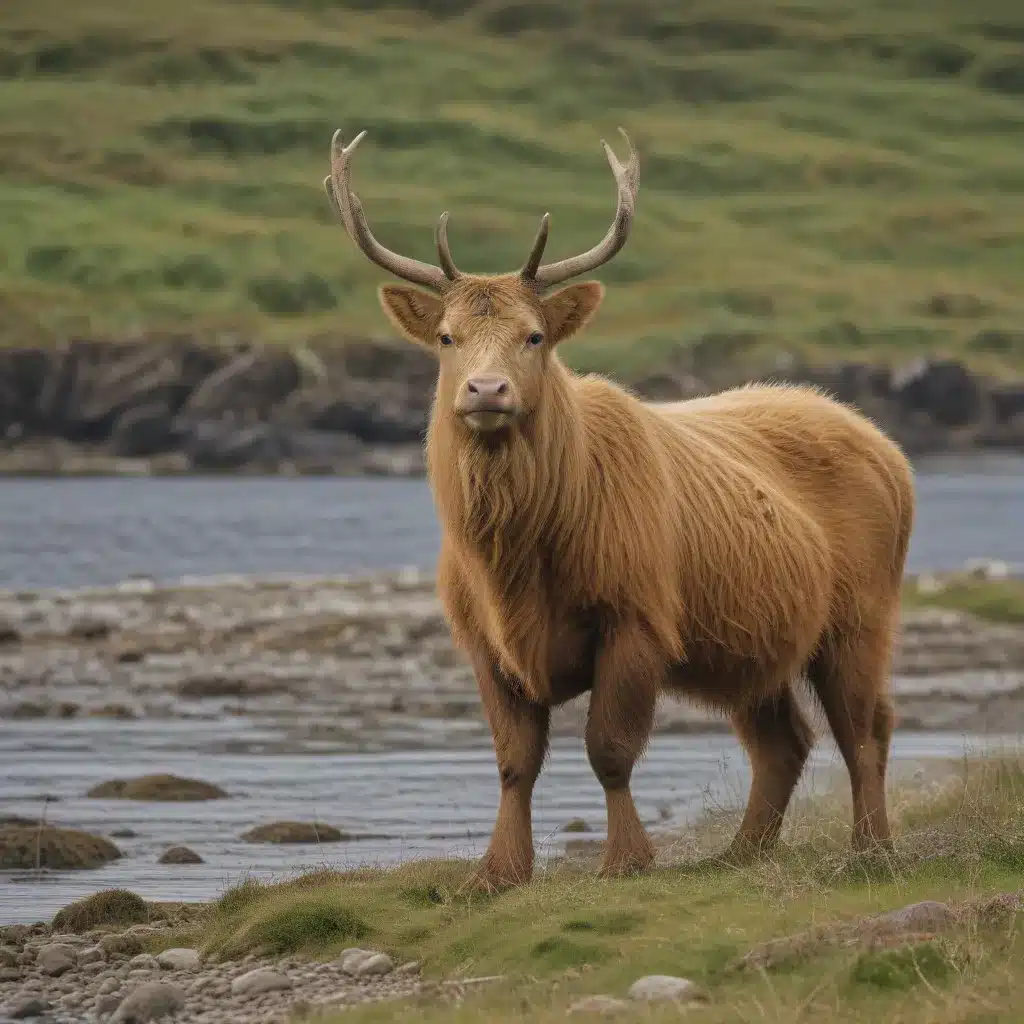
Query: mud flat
365	664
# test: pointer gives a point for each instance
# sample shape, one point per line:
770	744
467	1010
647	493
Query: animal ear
413	311
568	309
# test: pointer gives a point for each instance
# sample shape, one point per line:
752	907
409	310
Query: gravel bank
366	664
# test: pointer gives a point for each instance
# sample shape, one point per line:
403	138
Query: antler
346	203
628	180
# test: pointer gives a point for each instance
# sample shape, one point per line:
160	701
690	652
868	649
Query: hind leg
849	677
777	740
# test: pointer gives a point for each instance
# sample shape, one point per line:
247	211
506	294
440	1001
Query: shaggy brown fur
719	548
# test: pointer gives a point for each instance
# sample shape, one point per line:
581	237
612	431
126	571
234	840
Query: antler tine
444	254
627	178
347	204
541	240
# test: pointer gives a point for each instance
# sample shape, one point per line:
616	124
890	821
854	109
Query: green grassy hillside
833	177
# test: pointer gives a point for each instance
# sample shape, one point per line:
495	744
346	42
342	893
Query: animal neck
503	498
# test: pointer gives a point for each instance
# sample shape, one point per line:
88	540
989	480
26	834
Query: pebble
55	960
124	988
259	981
665	987
179	959
150	1001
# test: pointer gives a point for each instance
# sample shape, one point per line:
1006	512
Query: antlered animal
719	548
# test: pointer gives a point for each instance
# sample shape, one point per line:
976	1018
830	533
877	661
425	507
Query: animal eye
447	339
535	339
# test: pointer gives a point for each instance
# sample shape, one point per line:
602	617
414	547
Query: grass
826	179
993	600
568	934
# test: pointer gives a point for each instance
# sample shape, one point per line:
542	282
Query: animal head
494	335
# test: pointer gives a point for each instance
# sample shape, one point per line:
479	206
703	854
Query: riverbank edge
174	405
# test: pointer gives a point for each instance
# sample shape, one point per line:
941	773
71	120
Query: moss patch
25	847
157	787
109	907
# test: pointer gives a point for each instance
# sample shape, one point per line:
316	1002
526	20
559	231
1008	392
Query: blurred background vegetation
826	178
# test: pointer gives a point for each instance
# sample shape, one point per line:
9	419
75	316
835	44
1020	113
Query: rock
927	916
149	1001
944	389
180	855
157	787
251	384
145	430
604	1006
294	832
27	1007
91	955
121	945
55	959
179	959
58	848
111	906
124	833
350	959
107	1003
260	981
374	965
8	956
8	974
143	961
214	445
664	988
9	636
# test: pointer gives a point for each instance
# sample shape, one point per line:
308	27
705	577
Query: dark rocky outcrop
170	403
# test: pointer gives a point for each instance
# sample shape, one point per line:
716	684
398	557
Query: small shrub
111	906
905	968
197	271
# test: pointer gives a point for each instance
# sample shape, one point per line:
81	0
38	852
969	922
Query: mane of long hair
556	501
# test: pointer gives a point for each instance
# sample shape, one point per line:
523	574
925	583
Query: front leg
627	679
520	731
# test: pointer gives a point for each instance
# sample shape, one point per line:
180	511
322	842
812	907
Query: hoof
489	880
742	852
636	863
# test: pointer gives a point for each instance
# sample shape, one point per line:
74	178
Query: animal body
719	548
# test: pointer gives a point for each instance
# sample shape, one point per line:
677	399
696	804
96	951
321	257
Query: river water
86	531
81	532
415	804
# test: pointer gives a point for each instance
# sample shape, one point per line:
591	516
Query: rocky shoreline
364	664
170	404
104	974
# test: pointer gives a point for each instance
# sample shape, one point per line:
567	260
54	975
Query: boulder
944	389
57	848
157	787
180	855
294	832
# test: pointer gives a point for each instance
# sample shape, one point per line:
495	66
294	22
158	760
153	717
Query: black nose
487	387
